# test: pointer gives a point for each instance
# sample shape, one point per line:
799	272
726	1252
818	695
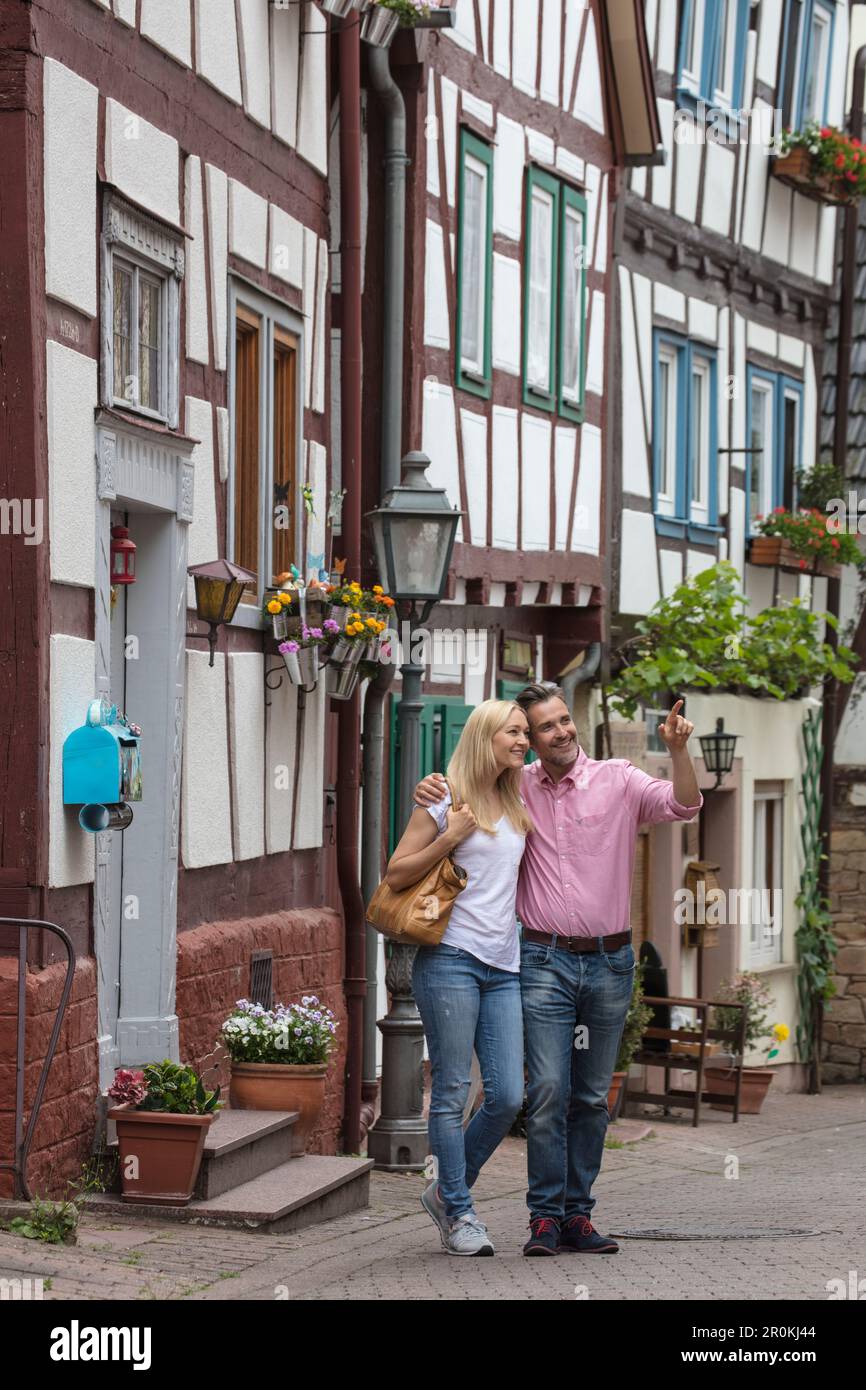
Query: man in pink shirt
576	957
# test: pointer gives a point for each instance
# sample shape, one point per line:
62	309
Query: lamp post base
398	1141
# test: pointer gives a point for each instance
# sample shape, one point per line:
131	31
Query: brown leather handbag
418	915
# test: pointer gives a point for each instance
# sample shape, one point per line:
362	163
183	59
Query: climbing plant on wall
816	947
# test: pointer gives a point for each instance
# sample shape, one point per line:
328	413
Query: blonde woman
468	987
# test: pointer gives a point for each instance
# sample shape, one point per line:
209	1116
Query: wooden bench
695	1060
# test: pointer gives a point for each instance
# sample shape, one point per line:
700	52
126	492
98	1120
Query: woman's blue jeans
466	1004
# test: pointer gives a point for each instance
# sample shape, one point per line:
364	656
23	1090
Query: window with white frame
542	226
806	53
775	408
685	438
142	267
573	307
266	413
475	264
712	51
765	924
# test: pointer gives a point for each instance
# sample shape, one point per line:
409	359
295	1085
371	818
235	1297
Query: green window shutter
572	304
454	718
534	394
475	156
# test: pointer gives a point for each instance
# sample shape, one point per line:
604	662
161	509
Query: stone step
299	1193
242	1145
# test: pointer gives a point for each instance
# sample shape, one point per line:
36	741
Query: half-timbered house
723	284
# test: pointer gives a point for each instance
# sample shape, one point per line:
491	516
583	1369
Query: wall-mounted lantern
718	751
218	588
122	556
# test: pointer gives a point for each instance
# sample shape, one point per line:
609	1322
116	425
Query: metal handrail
24	1138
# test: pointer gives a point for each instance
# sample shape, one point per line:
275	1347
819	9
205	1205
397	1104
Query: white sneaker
468	1236
432	1203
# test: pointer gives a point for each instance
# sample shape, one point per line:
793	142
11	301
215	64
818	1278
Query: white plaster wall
804	235
206	836
197	346
638	580
575	14
142	161
755	190
540	146
642	291
70	111
587	503
535	478
318	384
505	477
571	164
286	247
313	112
508	171
448	135
280	747
463	32
635	459
255	57
311	772
474	429
439	442
718	188
203	544
505	348
502	37
223	441
777	221
71	397
737	530
551	50
72	682
216	46
667	32
792	350
167	24
124	10
672	570
247	743
248	224
564	446
662	174
688	160
436	323
594	380
317	479
311	244
474	106
432	139
589	101
769	38
285	38
825	249
524	54
761	338
703	320
669	302
216	189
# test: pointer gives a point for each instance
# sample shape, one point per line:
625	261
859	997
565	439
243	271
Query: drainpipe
355	981
373	745
582	673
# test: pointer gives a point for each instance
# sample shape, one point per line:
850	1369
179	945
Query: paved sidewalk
800	1167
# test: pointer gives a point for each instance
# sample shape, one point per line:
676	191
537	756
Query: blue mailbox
102	768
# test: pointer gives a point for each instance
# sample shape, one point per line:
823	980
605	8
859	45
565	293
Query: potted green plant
279	1059
636	1023
163	1113
720	1079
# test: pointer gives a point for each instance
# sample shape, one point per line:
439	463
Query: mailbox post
102	768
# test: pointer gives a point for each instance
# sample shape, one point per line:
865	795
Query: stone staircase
249	1179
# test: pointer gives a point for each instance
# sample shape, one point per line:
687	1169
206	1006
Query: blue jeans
569	1072
466	1004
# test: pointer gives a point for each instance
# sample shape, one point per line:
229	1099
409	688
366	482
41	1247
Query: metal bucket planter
379	26
281	625
302	666
343	669
340	9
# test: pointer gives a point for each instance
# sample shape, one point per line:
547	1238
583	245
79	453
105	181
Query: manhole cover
750	1233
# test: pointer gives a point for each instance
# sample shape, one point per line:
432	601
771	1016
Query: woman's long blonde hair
472	768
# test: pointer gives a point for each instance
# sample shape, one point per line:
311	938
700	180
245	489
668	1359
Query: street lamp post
413	532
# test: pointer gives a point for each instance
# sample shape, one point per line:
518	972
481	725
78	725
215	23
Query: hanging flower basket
302	663
379	26
822	163
804	541
340	9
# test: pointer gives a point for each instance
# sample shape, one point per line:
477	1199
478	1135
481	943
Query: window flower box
822	164
776	551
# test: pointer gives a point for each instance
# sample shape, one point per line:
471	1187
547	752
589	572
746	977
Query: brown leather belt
579	943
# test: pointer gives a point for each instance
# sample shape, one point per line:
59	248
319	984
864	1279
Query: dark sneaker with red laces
579	1234
545	1237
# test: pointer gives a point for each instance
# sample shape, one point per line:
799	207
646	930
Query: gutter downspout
349	782
373	739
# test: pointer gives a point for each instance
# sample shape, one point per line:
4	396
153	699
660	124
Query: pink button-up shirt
575	879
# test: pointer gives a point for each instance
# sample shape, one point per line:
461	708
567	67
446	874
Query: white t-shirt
483	919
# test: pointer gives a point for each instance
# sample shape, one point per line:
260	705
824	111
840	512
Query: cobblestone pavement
800	1166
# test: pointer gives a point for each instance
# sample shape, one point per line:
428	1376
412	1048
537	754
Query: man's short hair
537	693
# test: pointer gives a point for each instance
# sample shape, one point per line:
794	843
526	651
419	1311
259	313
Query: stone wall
844	1052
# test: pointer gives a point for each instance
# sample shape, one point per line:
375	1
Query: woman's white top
483	919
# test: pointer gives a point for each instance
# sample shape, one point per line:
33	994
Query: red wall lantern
122	556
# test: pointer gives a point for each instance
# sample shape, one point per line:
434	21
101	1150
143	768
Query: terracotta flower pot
162	1150
281	1086
756	1083
614	1095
